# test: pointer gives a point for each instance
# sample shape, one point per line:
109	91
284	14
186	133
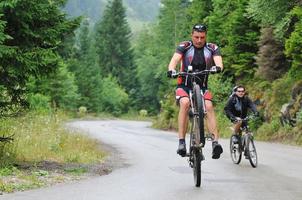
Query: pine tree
113	45
87	72
198	11
236	34
33	32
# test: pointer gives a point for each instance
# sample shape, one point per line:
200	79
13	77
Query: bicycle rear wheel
196	166
199	123
235	150
252	153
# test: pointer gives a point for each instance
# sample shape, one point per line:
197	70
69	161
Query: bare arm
218	61
174	61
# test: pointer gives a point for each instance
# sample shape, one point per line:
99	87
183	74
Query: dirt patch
28	176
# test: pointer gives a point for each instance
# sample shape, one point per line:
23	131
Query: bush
39	102
167	119
268	130
114	98
143	113
82	111
40	137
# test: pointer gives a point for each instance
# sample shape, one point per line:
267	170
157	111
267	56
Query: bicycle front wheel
235	150
199	123
252	153
197	167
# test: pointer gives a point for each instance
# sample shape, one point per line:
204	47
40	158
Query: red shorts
184	92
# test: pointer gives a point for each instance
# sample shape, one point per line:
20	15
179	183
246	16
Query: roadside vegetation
44	151
261	49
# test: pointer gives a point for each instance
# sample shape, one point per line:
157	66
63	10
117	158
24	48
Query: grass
76	171
40	138
131	115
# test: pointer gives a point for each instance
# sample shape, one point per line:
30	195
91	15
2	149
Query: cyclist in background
237	108
200	55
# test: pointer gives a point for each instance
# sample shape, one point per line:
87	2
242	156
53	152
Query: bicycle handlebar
194	73
246	118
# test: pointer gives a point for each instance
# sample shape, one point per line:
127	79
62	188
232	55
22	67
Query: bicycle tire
236	153
199	125
252	153
197	167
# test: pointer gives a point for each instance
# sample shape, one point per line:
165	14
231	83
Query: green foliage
8	170
60	87
172	27
39	137
236	34
148	67
167	119
143	113
114	98
154	49
82	111
220	88
277	96
197	11
293	44
262	11
33	31
39	102
268	130
113	46
87	72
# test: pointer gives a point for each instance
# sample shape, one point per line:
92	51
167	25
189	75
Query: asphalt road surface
149	169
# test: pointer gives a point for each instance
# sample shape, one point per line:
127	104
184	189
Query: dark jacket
238	107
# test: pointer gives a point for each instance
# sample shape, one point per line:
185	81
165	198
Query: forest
52	61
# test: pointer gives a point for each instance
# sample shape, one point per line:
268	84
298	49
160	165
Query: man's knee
209	106
184	103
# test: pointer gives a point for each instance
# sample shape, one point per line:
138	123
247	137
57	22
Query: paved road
152	170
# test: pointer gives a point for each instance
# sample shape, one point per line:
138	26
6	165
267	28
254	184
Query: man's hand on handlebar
215	69
172	74
236	119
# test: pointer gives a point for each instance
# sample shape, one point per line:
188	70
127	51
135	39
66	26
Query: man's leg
184	106
211	119
212	126
237	126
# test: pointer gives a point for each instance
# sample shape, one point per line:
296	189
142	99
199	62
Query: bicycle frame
246	145
193	109
197	136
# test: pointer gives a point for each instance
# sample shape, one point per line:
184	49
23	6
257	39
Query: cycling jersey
238	107
198	58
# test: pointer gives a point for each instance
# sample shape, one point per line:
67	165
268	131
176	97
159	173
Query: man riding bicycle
200	55
237	107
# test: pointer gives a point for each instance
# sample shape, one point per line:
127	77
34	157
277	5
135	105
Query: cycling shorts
182	91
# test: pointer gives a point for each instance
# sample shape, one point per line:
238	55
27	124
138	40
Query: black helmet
199	28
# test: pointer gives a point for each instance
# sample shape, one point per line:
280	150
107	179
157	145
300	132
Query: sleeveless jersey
200	59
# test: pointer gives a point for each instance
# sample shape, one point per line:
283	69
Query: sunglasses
200	28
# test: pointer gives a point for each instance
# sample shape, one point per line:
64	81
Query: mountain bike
196	114
243	143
